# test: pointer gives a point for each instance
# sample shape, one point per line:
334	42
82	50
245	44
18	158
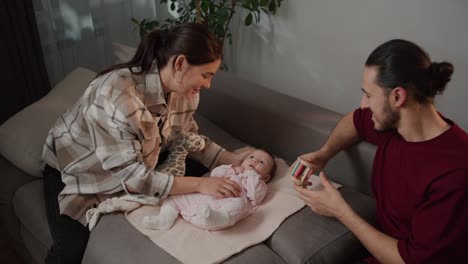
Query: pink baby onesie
209	212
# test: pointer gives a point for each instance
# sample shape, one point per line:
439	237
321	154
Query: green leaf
254	4
152	24
248	19
272	6
204	6
216	14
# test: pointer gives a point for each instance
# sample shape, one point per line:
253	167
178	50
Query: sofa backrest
22	136
284	125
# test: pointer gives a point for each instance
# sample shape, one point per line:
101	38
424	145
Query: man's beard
390	118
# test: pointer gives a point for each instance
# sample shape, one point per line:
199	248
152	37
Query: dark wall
23	76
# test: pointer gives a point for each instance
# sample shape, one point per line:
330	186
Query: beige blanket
190	244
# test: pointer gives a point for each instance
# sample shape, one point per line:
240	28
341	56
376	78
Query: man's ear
399	96
179	62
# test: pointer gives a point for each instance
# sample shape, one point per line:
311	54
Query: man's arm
329	202
383	247
343	136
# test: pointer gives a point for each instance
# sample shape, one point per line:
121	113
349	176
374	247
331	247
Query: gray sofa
233	113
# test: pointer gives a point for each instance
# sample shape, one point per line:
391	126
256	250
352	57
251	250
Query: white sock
212	219
164	220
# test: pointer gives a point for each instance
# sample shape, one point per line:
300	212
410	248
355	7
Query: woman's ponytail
192	40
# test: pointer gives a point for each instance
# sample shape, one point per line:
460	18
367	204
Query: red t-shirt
421	191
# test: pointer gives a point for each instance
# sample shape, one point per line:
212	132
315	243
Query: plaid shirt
112	137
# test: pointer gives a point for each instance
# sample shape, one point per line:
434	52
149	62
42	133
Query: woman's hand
219	187
236	157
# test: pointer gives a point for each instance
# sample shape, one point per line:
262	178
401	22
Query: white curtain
79	33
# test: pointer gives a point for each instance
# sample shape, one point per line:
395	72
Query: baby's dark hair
273	169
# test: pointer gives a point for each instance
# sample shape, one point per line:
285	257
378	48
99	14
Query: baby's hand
238	169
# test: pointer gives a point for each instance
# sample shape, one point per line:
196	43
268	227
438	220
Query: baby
210	213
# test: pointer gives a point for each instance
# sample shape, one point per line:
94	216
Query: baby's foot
117	204
211	219
163	221
108	206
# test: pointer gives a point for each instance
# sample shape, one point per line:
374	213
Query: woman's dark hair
402	63
193	40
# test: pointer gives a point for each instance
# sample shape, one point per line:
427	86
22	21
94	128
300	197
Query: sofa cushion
37	250
115	232
12	179
29	206
207	128
22	136
306	237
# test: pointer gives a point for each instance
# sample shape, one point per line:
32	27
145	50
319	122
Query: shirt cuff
161	184
209	156
151	183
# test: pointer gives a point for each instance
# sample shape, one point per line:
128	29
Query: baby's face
261	162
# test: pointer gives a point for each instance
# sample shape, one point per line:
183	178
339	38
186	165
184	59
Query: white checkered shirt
113	136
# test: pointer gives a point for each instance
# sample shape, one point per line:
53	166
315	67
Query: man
420	171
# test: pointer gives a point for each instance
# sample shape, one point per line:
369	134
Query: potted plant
217	14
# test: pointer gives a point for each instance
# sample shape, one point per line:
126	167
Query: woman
111	140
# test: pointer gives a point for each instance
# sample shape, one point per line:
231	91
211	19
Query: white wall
315	49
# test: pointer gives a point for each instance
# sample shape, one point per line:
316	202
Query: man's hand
327	201
316	161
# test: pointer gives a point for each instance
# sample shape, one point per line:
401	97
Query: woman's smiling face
190	79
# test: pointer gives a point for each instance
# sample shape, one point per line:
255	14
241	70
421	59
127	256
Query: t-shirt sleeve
439	227
365	127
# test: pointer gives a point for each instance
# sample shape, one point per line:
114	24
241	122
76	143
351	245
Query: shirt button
156	194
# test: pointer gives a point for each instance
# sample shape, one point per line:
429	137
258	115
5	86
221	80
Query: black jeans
70	236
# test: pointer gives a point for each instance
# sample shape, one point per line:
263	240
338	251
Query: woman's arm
219	187
235	158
